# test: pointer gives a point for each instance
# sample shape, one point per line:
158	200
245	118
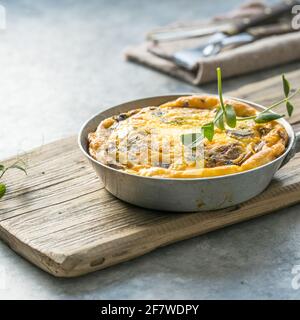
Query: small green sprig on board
226	115
20	165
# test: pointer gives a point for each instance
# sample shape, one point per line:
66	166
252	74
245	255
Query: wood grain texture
62	219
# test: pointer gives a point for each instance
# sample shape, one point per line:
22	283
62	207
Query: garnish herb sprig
226	115
20	165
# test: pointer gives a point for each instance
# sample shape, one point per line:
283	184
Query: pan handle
295	148
297	142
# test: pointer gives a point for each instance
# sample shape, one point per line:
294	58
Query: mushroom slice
239	133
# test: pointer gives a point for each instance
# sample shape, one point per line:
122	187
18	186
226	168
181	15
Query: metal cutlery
188	58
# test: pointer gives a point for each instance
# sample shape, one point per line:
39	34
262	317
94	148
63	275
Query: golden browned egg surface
147	141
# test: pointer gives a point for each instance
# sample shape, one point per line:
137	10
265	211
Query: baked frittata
147	141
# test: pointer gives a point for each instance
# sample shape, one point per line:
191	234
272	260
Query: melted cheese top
147	141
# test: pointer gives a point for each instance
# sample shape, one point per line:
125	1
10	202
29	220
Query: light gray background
60	63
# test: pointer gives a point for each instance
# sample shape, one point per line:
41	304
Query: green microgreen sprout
226	115
19	164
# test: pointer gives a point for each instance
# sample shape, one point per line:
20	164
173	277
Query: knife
196	32
236	35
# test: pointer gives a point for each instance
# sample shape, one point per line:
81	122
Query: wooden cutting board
62	219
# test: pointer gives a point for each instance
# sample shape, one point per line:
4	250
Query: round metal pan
184	195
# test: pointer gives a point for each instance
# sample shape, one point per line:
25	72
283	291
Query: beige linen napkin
264	53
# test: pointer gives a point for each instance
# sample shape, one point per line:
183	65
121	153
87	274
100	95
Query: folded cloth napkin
264	53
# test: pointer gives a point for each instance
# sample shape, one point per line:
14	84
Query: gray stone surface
61	62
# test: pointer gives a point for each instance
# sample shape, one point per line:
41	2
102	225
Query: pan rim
284	122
